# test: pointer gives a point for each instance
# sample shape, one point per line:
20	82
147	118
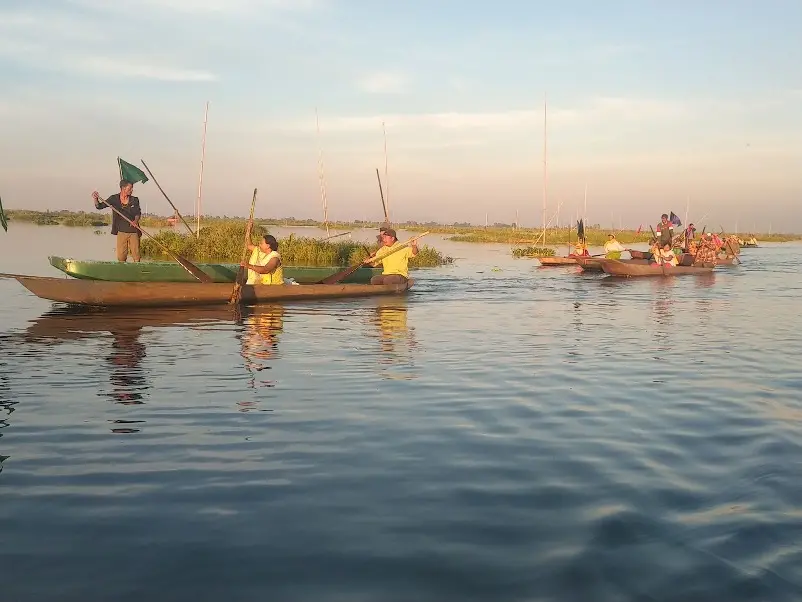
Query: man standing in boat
665	231
127	235
396	266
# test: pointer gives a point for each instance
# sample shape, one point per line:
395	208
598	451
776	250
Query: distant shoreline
458	231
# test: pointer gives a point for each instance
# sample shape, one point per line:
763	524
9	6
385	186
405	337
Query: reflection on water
129	381
495	471
261	326
6	405
397	343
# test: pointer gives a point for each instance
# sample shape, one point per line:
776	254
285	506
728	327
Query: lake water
504	432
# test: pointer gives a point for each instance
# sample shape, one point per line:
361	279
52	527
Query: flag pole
200	178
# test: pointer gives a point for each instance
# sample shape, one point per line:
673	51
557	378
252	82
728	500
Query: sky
649	106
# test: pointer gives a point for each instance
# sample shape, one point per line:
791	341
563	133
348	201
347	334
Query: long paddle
335	278
189	267
381	192
236	293
152	177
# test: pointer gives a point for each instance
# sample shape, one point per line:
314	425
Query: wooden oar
189	267
236	293
334	236
381	192
335	278
165	196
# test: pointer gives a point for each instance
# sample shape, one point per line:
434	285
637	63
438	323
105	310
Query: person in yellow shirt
396	266
264	265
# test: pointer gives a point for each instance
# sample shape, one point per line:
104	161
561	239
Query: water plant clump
532	252
223	241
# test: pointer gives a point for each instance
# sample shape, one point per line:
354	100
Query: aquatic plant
223	241
533	252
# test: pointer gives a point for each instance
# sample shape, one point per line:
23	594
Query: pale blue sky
649	103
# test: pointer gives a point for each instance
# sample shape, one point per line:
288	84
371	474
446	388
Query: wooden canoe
594	264
556	261
170	271
101	293
623	267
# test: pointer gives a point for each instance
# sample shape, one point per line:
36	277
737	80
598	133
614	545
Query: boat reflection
130	383
6	405
397	341
259	344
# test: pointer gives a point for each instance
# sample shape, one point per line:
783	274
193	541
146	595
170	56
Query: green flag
3	221
131	172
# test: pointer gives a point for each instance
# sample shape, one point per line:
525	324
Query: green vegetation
75	218
458	231
532	252
224	242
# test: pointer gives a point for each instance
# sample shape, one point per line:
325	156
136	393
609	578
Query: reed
223	242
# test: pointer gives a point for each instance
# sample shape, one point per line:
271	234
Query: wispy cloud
618	109
202	6
384	83
121	67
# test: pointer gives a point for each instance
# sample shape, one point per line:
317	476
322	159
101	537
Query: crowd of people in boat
666	248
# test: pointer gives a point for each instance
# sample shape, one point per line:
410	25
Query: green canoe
166	271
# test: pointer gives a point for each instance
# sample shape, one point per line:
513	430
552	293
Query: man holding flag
128	205
665	231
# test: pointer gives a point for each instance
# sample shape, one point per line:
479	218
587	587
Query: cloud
201	7
384	83
602	109
121	67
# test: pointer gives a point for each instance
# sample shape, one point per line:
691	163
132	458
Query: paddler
127	235
581	249
667	256
613	248
264	265
707	252
396	266
665	231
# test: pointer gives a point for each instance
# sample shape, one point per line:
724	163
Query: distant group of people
666	248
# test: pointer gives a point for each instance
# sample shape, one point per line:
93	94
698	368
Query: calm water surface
504	432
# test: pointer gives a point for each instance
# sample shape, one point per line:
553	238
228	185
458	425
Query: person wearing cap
613	248
264	265
396	266
665	231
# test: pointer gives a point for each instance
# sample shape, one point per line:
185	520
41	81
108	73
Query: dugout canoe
556	261
170	271
101	293
594	264
624	267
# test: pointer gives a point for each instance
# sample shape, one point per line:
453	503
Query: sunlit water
504	432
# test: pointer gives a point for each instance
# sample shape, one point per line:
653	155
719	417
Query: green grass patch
223	242
533	252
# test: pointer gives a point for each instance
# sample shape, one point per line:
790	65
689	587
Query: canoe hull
617	267
100	293
594	264
167	271
556	261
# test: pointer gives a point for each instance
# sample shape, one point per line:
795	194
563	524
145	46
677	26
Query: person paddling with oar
125	226
394	261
